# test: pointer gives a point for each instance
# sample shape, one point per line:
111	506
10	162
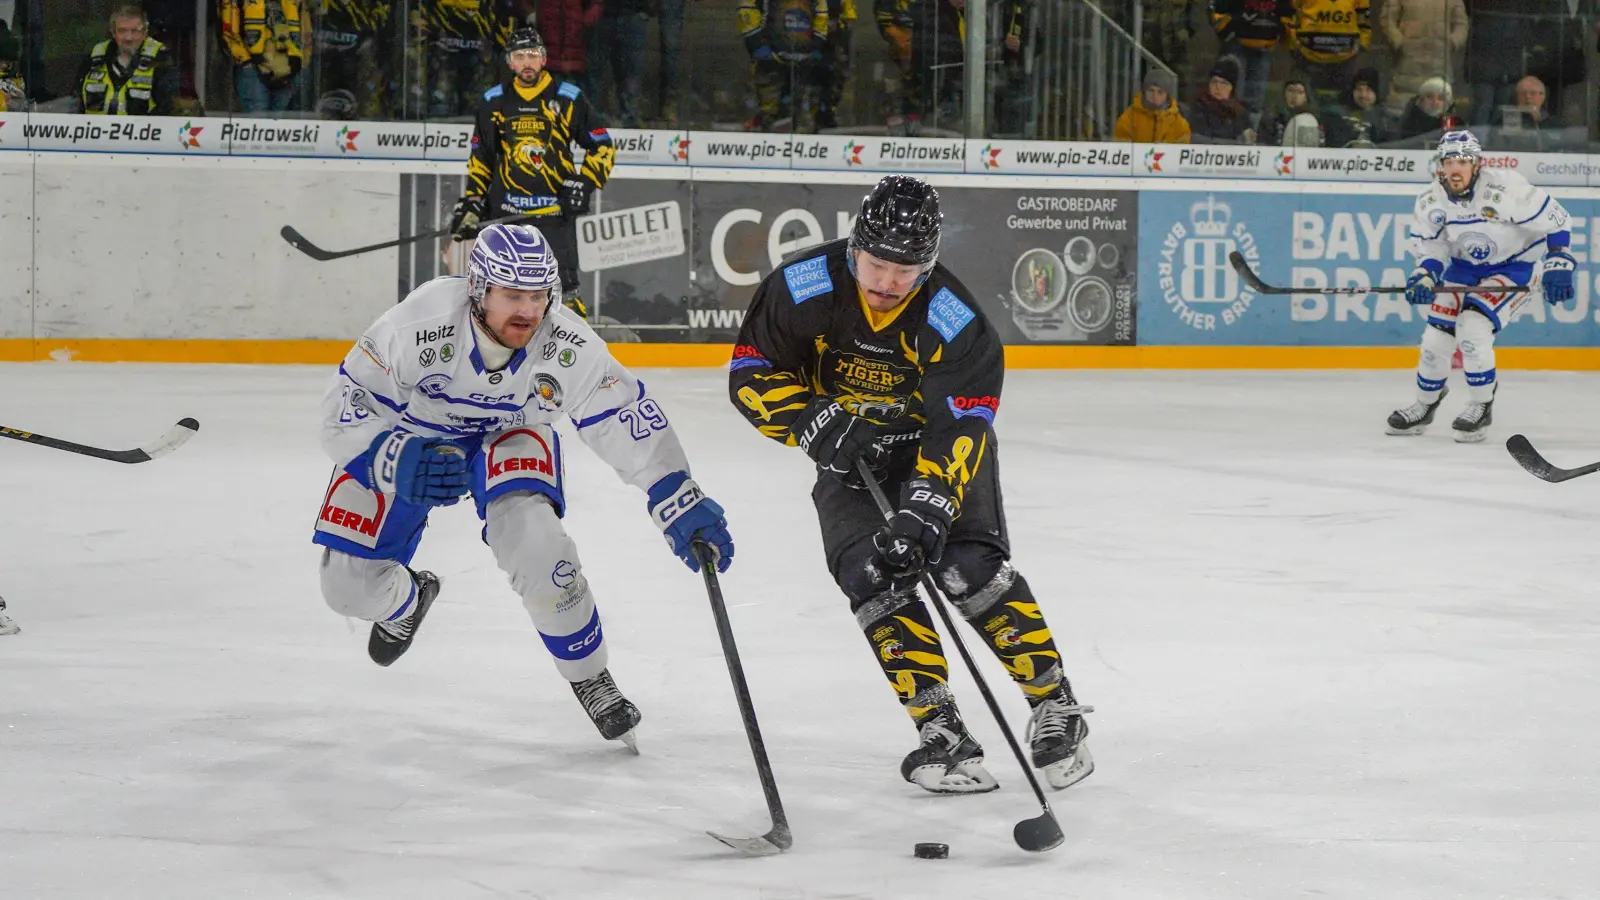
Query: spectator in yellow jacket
1153	117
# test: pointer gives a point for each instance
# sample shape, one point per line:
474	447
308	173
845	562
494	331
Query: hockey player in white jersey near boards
1477	226
453	392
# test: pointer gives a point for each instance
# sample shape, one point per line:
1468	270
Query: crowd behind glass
1342	73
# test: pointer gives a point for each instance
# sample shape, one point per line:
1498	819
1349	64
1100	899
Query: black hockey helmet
899	222
526	38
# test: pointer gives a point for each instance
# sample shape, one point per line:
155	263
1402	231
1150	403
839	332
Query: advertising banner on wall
1004	157
1190	294
1213	161
680	262
125	134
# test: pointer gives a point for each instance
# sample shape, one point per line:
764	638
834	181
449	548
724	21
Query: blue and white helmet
513	256
1456	144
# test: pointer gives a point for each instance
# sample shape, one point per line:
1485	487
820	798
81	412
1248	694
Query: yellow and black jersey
929	371
522	146
787	28
344	23
458	24
1330	31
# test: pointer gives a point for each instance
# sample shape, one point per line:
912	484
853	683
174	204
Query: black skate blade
1038	834
770	844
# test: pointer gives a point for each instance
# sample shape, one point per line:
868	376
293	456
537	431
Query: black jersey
522	149
932	374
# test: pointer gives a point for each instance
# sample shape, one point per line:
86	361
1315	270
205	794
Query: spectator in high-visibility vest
129	75
267	40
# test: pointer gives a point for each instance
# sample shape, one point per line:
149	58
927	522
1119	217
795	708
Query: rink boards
176	256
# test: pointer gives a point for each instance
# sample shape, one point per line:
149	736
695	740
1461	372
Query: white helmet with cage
513	256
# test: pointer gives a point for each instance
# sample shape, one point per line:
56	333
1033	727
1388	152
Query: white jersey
419	368
1506	222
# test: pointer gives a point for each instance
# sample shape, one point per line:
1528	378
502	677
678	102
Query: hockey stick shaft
1521	450
939	604
1254	282
172	440
780	835
301	243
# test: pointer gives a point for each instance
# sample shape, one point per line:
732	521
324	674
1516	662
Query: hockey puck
932	851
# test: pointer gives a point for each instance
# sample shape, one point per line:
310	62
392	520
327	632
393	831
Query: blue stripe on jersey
503	407
379	397
494	92
745	362
447	429
568	90
1536	215
597	419
577	645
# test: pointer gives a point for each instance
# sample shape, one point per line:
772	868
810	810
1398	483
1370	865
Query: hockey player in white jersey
1477	226
453	391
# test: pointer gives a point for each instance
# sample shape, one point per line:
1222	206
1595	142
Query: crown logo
1210	218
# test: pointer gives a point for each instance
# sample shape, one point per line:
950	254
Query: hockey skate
7	624
949	760
1056	733
1472	426
1415	418
610	712
390	640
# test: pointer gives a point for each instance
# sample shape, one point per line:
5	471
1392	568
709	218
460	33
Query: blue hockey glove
1419	287
1556	275
429	471
686	515
915	537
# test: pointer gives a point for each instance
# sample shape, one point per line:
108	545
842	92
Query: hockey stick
1042	832
1522	451
299	242
1254	282
172	440
779	838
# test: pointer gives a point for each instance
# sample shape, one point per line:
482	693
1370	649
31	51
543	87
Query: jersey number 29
646	419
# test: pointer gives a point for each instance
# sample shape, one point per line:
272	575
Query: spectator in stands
1513	38
267	40
1428	116
1427	36
1295	102
785	40
13	93
669	37
894	26
352	75
1165	31
616	59
1329	36
1215	117
938	52
129	75
833	76
1153	117
453	38
1529	125
1250	31
1357	120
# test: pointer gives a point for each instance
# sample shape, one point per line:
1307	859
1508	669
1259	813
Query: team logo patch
352	512
433	386
447	352
547	392
807	279
948	315
427	357
567	358
549	350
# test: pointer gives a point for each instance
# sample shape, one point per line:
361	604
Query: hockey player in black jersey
867	348
522	159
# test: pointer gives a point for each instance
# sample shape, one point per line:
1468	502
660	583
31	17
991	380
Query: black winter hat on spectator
1369	77
1227	68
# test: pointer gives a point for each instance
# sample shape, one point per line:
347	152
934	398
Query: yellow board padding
647	356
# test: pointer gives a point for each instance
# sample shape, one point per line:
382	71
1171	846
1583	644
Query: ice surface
1327	662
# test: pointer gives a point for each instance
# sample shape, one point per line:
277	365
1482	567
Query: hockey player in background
453	391
522	159
7	624
867	348
1477	226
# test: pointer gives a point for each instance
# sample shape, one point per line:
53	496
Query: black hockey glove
575	196
833	438
465	217
915	537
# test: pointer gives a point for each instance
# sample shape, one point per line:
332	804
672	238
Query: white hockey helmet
513	256
1458	145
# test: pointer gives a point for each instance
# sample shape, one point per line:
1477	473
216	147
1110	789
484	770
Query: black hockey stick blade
779	838
1521	450
175	437
1254	283
301	243
1042	832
